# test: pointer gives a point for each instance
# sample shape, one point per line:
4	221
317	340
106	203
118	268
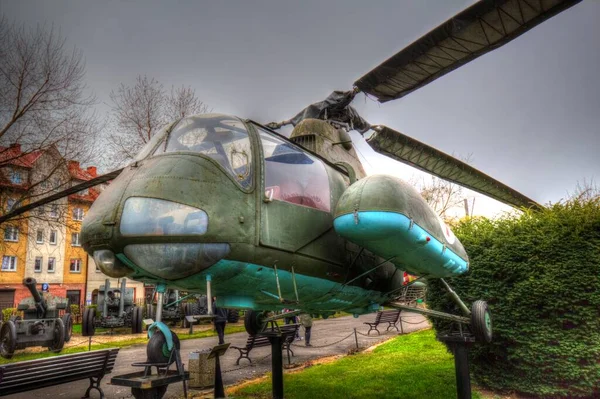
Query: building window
85	191
37	267
40	211
44	185
39	236
11	233
53	237
9	263
75	240
15	177
10	203
51	264
54	211
78	214
75	266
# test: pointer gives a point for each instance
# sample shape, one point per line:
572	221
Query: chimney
92	171
74	165
17	146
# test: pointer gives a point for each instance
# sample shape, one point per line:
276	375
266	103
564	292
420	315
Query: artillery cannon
117	310
40	325
177	305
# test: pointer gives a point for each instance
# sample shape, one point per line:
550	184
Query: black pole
219	390
277	366
461	364
356	338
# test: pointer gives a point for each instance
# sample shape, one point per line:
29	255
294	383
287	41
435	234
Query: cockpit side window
294	176
222	138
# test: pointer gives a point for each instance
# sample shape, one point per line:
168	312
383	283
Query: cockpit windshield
222	138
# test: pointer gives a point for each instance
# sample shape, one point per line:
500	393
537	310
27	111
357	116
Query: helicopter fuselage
268	222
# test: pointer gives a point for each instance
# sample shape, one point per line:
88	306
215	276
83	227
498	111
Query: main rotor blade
483	27
61	194
405	149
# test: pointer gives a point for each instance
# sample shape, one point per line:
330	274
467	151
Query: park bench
34	374
386	316
288	334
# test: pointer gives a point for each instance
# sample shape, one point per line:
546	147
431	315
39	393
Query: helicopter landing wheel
8	339
87	326
157	351
58	341
481	321
68	322
254	321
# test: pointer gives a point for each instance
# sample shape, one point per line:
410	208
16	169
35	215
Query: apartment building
46	242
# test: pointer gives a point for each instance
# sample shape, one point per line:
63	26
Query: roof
14	156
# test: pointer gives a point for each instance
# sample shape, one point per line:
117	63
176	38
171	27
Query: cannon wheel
155	351
15	318
58	340
152	393
68	322
137	317
150	313
253	321
8	339
481	321
87	326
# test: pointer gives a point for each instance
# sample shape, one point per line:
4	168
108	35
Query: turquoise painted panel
391	234
246	285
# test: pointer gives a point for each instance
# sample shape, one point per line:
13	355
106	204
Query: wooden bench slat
40	373
49	370
8	369
59	359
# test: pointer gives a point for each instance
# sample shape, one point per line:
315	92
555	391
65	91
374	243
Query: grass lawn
409	366
21	355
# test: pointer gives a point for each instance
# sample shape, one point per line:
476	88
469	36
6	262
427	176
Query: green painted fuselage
223	213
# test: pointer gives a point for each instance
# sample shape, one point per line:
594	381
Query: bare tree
45	112
141	110
440	194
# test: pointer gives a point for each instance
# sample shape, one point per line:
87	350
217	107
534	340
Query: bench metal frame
384	316
288	334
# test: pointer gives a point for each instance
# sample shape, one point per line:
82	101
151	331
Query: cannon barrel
31	284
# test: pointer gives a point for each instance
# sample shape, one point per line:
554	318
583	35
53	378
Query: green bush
540	274
7	312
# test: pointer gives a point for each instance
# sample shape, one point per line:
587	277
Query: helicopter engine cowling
388	217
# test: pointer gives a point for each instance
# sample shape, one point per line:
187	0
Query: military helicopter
228	207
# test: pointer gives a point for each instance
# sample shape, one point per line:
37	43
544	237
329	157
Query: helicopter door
296	211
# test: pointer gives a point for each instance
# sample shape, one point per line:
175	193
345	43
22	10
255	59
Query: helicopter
229	207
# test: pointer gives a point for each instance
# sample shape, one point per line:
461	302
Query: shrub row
540	274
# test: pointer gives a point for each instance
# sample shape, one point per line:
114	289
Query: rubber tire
481	321
155	344
134	321
140	319
8	339
150	312
87	328
58	341
253	321
152	393
233	316
68	322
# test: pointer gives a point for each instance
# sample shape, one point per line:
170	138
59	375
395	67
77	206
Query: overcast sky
528	113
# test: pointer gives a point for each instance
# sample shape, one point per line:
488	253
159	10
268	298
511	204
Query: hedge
540	274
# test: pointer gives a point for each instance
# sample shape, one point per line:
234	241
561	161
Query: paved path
337	334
